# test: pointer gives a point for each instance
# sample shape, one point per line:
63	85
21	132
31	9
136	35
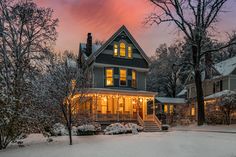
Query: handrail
157	121
140	120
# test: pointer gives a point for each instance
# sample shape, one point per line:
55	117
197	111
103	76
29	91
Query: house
221	82
174	110
118	70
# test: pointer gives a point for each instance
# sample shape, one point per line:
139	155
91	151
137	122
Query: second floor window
115	50
122	50
123	77
109	77
134	84
129	52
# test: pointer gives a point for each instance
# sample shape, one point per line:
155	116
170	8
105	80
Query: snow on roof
219	94
171	100
182	92
226	67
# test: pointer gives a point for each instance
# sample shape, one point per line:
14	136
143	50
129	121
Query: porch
113	105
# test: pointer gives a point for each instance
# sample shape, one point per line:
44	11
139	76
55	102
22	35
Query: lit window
109	77
122	49
165	108
123	77
171	108
115	50
193	111
134	79
129	52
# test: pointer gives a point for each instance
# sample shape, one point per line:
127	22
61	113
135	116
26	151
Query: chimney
89	44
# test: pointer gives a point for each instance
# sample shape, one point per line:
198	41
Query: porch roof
122	92
168	100
219	94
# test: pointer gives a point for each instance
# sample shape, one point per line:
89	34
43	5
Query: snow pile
59	129
132	127
86	127
116	128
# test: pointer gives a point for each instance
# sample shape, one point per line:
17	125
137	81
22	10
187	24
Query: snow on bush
59	129
74	131
116	128
132	127
86	127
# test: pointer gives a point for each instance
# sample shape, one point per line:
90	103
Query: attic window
129	52
122	49
115	50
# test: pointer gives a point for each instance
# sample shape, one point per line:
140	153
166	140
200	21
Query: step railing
140	120
157	121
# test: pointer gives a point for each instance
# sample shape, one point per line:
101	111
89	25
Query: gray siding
232	82
141	81
98	77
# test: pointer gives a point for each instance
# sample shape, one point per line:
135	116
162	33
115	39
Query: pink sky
103	17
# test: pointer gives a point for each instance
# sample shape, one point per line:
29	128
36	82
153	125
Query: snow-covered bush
116	128
59	129
131	127
86	129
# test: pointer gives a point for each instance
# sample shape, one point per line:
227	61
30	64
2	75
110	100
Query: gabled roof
223	68
122	29
226	67
219	94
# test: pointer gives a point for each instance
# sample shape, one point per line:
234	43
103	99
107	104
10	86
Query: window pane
122	49
109	72
115	50
171	108
123	77
165	108
109	77
129	52
133	78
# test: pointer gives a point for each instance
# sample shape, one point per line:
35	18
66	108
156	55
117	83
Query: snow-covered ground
208	128
162	144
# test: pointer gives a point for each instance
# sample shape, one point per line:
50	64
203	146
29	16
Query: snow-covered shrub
74	131
86	129
132	127
116	128
59	129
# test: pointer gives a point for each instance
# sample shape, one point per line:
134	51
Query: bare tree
26	34
66	83
194	18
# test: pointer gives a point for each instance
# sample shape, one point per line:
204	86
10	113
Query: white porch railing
157	121
140	120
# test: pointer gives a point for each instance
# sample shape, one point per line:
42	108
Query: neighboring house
221	81
118	71
171	110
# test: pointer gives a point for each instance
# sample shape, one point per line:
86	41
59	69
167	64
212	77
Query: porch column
96	106
153	106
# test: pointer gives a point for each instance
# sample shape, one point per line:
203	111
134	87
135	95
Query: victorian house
118	70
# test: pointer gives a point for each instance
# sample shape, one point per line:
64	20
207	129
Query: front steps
150	126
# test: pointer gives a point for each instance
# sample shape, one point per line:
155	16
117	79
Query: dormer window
122	50
129	52
115	50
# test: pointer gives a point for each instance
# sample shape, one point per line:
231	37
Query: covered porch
113	105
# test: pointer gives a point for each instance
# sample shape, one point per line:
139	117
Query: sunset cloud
103	17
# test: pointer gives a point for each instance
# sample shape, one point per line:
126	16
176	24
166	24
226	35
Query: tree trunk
198	84
200	98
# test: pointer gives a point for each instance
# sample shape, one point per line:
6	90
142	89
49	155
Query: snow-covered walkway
160	144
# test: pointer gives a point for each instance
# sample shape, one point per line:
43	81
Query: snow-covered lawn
160	144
